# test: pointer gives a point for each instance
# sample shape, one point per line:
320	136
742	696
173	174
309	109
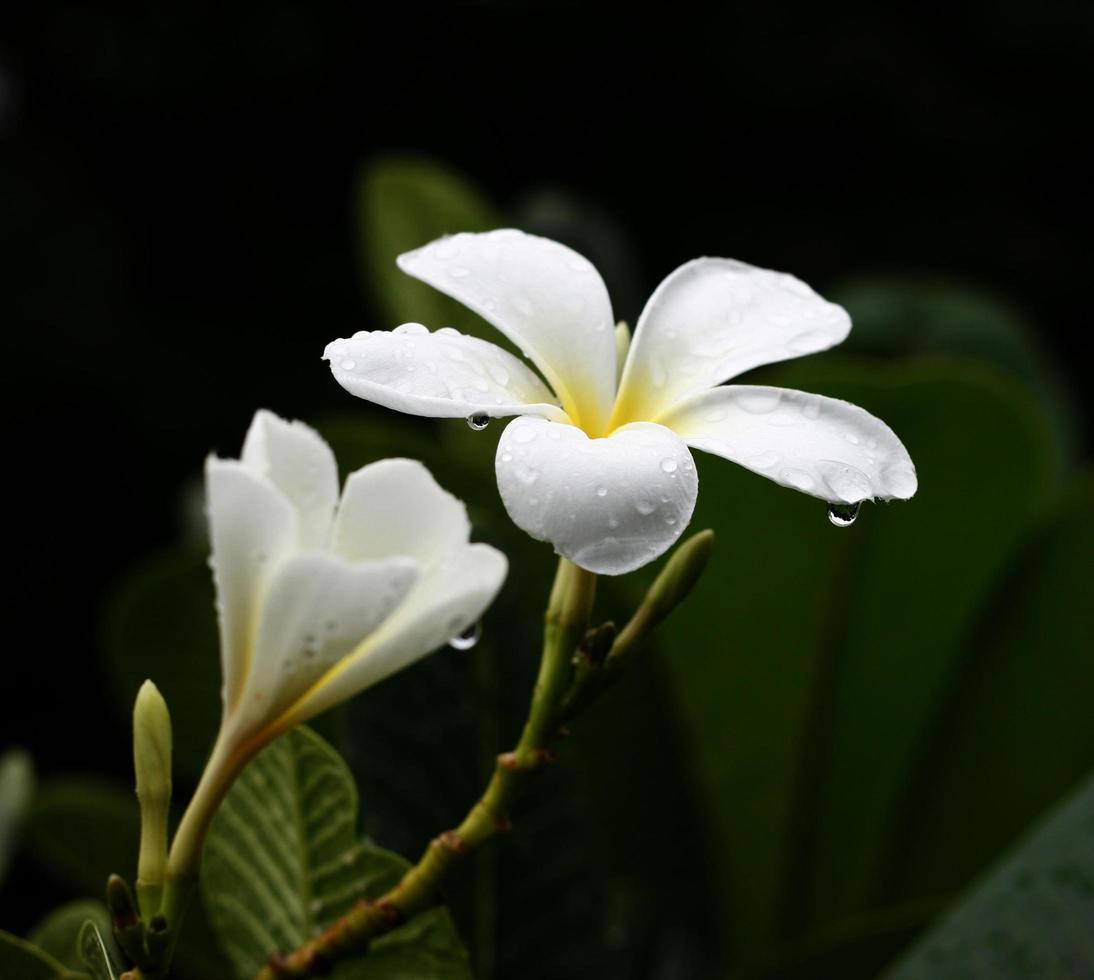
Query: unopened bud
152	762
119	901
679	576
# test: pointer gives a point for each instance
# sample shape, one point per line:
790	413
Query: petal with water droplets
297	460
713	319
547	299
395	507
444	374
317	610
609	505
452	593
825	447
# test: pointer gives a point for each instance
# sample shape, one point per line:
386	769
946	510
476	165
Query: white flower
602	469
319	598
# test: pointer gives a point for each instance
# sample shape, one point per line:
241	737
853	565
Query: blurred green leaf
1032	917
95	954
21	960
1017	731
82	830
282	861
902	315
59	932
402	204
16	793
161	625
809	666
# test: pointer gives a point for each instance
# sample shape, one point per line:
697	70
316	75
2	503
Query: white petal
395	507
609	505
319	608
547	299
450	596
444	374
252	528
822	446
713	319
301	465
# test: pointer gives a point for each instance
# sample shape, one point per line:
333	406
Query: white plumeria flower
598	462
319	598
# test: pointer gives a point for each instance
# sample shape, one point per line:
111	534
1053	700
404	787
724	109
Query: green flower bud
152	762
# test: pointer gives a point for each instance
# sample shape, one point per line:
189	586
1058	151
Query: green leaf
161	625
1030	918
94	952
810	665
905	315
402	204
282	861
1022	708
83	830
59	932
21	960
16	793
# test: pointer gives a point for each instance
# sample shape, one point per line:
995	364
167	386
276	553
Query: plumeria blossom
320	597
598	460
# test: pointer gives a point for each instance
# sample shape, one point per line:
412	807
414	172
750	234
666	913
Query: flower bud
152	762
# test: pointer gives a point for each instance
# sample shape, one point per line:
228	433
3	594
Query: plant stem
567	619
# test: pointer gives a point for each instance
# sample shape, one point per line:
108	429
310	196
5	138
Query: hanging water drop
476	423
842	515
468	638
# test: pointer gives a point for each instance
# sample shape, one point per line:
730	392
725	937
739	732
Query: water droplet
411	329
478	422
758	402
527	474
798	479
716	414
643	506
850	436
613	523
526	433
842	515
668	466
348	365
468	638
601	491
507	457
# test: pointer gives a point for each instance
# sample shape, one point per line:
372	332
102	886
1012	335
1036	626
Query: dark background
177	240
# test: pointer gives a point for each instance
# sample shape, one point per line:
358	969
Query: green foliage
283	860
21	960
96	957
161	626
1030	918
810	668
401	205
82	830
59	932
916	315
16	794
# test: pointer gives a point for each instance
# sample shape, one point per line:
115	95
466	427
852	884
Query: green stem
567	618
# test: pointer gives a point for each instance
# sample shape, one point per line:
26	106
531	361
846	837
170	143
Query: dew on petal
466	639
478	422
348	365
758	402
798	479
643	506
601	491
412	330
525	434
843	515
668	465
